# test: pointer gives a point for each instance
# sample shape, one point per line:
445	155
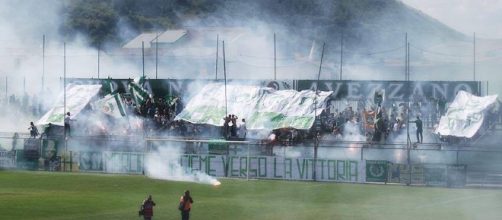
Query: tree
95	19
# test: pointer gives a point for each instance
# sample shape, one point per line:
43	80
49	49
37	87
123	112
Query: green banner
376	170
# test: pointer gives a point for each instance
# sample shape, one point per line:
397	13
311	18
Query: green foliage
102	20
94	18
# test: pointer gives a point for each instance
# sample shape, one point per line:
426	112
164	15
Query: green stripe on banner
120	104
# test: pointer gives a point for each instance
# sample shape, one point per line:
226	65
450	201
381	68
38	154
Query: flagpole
143	56
99	49
316	138
225	76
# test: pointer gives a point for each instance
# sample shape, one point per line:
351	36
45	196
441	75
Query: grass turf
44	195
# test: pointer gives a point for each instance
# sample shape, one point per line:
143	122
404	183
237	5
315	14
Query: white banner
77	97
111	105
263	108
465	115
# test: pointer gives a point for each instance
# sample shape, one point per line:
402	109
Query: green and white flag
138	93
263	108
77	97
465	115
111	105
107	86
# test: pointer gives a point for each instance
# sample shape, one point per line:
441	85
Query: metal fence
432	165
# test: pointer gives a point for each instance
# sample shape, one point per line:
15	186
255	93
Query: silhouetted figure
67	120
147	208
33	130
420	136
186	205
243	129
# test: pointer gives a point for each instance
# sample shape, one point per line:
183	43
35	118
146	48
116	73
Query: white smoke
351	132
165	164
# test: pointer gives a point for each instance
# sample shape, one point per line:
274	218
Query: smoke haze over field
165	164
373	49
373	45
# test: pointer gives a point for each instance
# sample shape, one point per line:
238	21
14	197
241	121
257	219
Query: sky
467	16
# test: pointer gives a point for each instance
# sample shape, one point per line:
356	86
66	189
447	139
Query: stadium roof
198	37
137	41
150	38
171	36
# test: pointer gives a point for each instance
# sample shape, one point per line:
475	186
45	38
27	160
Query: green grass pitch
44	195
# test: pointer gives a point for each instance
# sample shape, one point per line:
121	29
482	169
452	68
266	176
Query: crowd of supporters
373	121
377	121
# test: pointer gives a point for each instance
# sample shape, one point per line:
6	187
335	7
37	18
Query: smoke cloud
165	164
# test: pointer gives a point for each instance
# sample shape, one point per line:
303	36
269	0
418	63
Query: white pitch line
452	200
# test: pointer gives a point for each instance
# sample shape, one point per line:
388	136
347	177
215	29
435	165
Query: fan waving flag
138	93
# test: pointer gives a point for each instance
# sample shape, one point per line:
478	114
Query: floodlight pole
275	60
6	90
408	116
64	103
405	56
156	54
43	63
474	56
64	81
99	49
217	49
341	56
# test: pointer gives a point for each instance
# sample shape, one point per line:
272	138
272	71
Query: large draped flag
465	115
263	108
77	97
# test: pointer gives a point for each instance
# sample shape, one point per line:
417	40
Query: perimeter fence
357	162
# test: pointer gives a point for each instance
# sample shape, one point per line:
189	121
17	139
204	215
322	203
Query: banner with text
269	167
393	90
258	167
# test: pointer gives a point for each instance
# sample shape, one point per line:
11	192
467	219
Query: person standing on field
147	207
186	205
